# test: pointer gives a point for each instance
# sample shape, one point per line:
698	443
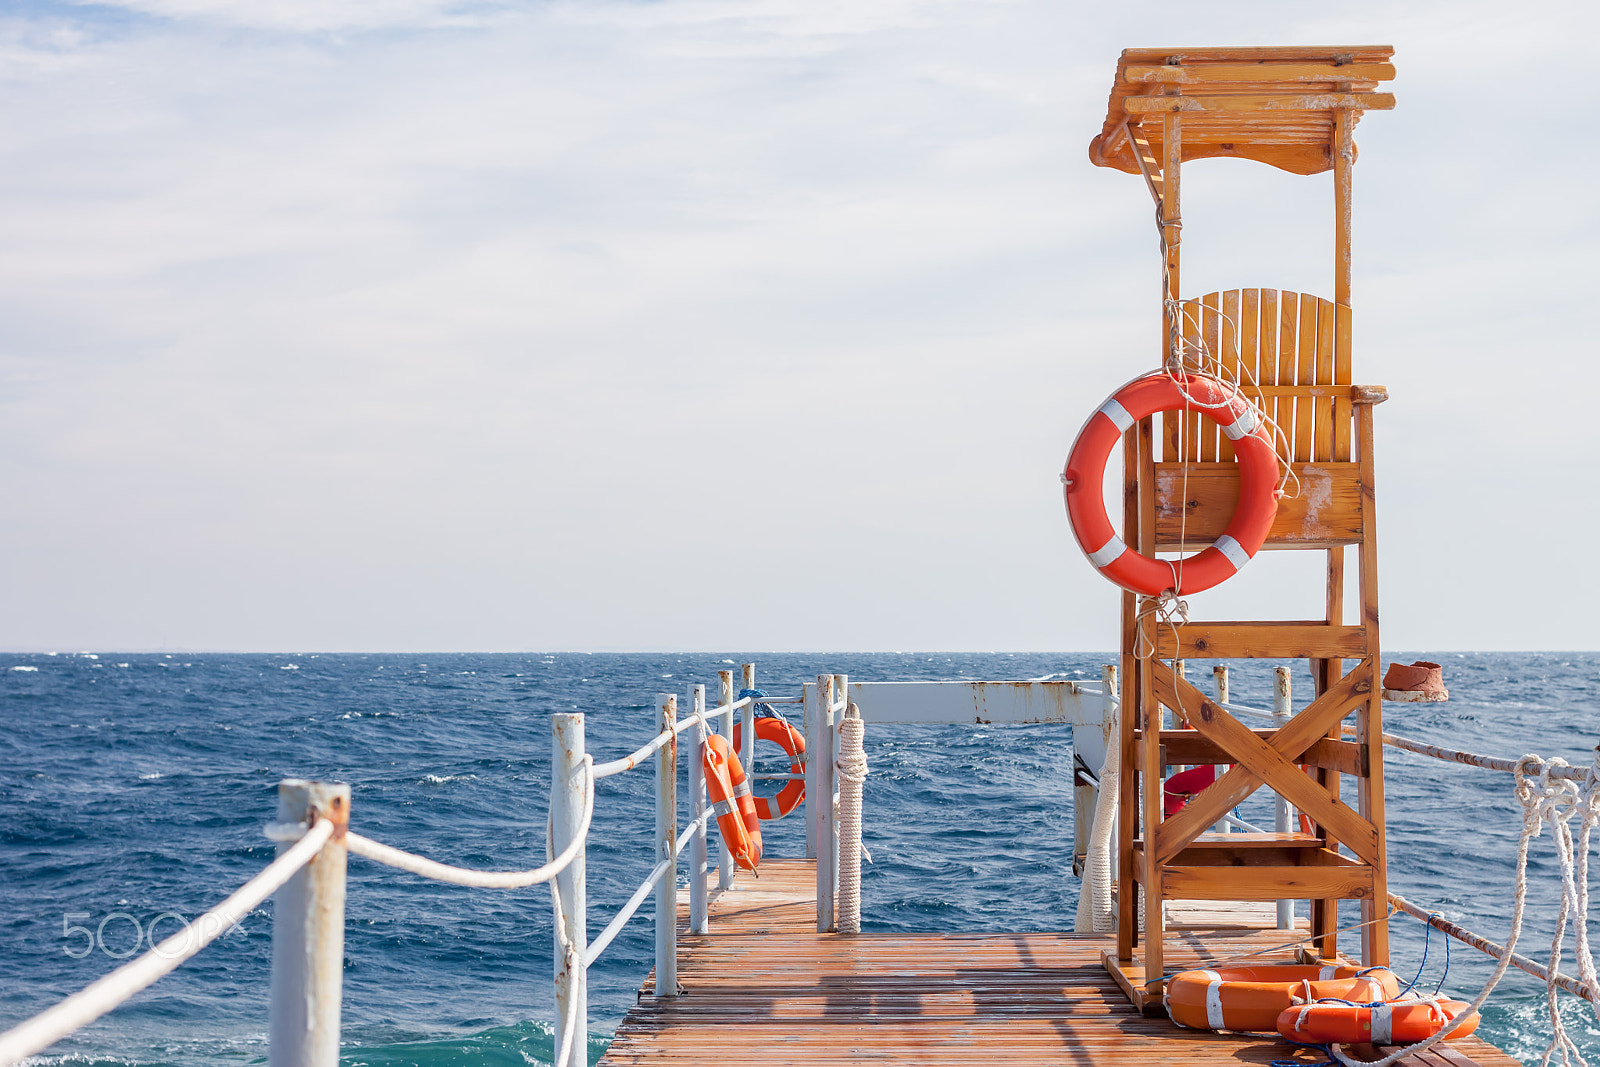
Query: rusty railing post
568	786
699	918
725	871
667	850
308	934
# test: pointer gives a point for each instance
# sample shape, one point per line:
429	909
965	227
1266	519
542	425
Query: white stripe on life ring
1113	410
1235	553
1244	425
1214	1001
1327	973
1108	553
720	808
1383	1024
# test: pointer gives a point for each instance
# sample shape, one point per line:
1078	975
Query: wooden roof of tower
1273	105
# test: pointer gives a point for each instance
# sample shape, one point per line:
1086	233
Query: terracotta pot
1418	677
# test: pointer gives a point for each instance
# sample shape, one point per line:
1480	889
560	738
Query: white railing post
699	917
747	740
566	819
725	871
1283	818
308	934
811	697
667	849
819	798
1220	673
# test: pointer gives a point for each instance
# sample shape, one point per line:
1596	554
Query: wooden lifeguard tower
1295	109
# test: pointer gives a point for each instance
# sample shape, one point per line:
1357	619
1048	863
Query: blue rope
763	711
1327	1054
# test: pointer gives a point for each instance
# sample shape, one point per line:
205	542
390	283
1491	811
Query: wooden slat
1305	374
1250	336
1288	320
1267	883
1247	102
1230	357
1185	748
1204	432
1261	640
1211	73
1324	376
1341	376
1194	507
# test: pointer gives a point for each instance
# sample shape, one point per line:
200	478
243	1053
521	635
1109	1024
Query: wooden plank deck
765	987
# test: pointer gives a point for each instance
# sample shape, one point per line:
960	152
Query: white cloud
475	326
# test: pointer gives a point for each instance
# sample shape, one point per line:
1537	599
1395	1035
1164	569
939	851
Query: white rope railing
94	1000
1547	795
650	747
443	872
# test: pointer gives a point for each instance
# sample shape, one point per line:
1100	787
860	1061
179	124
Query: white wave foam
19	667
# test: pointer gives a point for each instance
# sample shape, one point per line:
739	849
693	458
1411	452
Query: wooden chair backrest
1291	353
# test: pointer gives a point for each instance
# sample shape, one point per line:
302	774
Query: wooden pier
765	987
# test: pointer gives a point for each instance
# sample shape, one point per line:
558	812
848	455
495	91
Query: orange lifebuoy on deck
1400	1023
786	737
727	804
1084	476
1253	998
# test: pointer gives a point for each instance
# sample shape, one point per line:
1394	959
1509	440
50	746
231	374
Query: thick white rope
1099	915
443	872
851	770
1544	798
97	998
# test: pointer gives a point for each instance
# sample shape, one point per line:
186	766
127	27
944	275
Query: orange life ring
727	804
1253	998
1084	476
1400	1023
786	737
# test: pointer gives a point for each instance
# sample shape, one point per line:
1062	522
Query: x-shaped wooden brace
1265	761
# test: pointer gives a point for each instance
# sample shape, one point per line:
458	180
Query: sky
764	325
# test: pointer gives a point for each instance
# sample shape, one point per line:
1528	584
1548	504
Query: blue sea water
135	786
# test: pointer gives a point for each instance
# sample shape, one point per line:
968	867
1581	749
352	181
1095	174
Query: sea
134	788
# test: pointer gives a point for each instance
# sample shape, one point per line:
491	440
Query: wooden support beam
1260	640
1186	748
1255	73
1145	158
1248	102
1196	501
1267	883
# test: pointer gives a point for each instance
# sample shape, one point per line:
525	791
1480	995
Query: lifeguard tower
1295	109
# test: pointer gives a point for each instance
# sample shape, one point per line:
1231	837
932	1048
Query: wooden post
1127	777
699	913
566	819
1370	797
666	849
308	934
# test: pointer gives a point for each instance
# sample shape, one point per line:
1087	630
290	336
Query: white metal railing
308	878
